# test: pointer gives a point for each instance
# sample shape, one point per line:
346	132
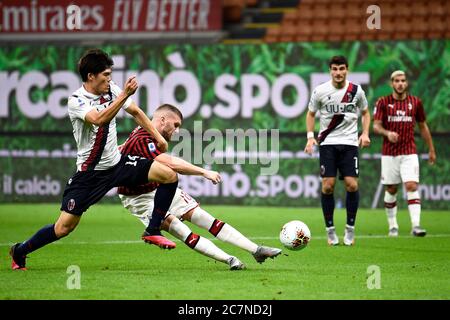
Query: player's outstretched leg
65	224
200	244
227	233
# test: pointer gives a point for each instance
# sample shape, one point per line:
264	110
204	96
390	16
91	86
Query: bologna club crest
71	204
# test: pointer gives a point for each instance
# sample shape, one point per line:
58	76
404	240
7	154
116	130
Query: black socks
163	199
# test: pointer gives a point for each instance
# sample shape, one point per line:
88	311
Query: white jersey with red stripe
339	110
96	145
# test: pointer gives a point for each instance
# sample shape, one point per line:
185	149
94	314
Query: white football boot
333	239
235	264
349	235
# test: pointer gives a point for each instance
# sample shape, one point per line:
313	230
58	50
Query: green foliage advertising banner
219	88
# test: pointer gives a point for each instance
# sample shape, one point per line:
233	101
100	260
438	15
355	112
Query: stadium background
252	71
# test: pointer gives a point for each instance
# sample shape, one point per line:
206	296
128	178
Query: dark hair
171	108
93	61
338	60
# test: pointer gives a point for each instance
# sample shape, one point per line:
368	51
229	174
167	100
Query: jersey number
187	198
133	161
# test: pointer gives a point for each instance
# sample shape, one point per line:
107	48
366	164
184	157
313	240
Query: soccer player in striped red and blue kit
139	200
395	117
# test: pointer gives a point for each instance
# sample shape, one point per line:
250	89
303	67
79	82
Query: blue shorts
85	188
338	157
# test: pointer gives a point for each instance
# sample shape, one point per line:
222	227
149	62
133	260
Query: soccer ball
295	235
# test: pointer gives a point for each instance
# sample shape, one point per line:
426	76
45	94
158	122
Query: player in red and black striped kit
139	200
395	117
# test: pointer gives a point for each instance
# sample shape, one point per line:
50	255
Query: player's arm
142	120
183	167
310	118
426	135
379	129
364	140
100	118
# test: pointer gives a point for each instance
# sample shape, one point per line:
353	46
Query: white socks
202	218
202	245
414	207
221	230
390	204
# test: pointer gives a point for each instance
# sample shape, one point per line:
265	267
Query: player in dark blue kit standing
100	166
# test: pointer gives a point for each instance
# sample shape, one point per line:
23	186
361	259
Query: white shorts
141	206
395	169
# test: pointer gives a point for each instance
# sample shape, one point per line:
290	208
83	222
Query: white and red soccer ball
295	235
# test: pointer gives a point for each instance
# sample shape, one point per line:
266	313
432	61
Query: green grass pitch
115	264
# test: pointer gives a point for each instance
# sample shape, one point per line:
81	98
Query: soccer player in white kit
339	103
139	200
100	167
395	117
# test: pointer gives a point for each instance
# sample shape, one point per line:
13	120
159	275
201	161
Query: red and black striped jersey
399	116
140	143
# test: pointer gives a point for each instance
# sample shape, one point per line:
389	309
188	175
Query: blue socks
163	199
41	238
352	204
328	208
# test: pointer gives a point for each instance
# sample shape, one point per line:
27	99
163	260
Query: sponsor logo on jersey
341	108
400	117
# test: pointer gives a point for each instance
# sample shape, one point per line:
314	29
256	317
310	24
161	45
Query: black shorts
85	188
338	156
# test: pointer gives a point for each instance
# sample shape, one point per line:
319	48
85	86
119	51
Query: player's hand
392	136
432	157
130	86
364	140
161	143
310	146
213	176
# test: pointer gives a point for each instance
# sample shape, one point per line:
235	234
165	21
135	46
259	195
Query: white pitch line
375	236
